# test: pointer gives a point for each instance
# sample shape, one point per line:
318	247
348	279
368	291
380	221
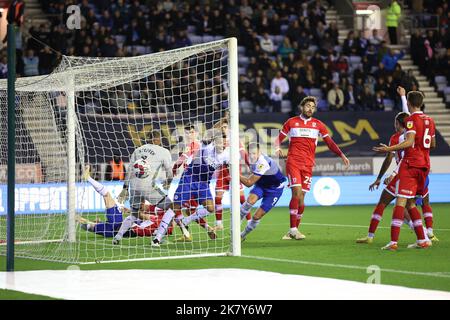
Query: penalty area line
345	266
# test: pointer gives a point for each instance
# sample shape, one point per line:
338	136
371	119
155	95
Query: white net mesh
119	103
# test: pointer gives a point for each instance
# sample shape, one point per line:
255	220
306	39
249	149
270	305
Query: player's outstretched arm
249	181
402	93
336	150
409	141
277	144
386	164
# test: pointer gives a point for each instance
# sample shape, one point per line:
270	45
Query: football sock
300	214
397	221
202	222
193	206
250	227
219	210
428	216
164	224
417	221
293	211
245	209
201	213
376	218
125	226
98	186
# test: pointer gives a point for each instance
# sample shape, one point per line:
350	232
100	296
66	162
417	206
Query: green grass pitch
328	251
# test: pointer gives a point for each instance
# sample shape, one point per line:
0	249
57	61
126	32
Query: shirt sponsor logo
406	191
304	133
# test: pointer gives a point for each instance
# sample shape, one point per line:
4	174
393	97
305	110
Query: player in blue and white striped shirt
268	184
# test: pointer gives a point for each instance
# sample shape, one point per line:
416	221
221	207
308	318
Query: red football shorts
299	175
391	188
149	230
224	180
411	181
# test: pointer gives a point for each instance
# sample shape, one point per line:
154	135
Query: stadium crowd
290	50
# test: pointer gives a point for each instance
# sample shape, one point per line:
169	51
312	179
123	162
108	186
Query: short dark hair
308	99
189	127
415	98
400	117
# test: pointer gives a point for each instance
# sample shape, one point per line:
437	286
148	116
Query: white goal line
16	242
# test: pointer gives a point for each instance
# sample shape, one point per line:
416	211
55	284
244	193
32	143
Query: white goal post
90	110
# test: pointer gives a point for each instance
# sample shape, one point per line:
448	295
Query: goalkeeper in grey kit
141	189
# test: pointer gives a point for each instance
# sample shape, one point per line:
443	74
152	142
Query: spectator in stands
319	32
106	20
358	88
350	100
369	102
298	96
30	64
372	58
280	82
304	40
266	44
276	96
391	88
46	60
335	98
380	104
133	35
3	67
326	44
361	44
109	48
375	39
231	30
285	48
390	59
15	13
334	33
392	18
350	45
261	100
341	66
246	10
429	59
244	88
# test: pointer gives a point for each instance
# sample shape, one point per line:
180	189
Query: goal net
95	112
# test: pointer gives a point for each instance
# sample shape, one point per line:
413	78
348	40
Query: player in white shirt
139	190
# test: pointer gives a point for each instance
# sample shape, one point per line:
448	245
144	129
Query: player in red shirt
224	179
303	132
389	192
413	169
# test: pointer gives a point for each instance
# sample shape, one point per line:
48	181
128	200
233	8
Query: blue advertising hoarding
325	191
